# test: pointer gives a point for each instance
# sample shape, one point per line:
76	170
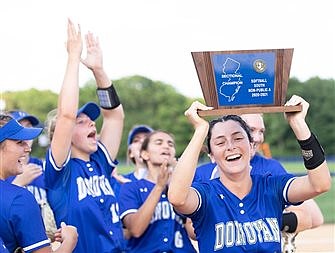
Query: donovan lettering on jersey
93	186
233	233
164	210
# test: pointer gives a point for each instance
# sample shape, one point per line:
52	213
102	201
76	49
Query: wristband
108	97
312	152
290	222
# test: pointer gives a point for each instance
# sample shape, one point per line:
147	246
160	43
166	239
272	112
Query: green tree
159	105
35	102
321	96
156	104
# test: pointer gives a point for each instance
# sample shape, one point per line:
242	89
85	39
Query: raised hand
30	172
297	119
164	174
94	59
74	44
296	100
192	114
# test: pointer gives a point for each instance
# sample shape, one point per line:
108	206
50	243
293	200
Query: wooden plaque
244	81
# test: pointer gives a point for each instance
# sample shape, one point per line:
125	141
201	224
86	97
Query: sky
155	38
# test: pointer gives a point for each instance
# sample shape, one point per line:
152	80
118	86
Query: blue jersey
166	231
131	176
259	165
3	248
21	222
37	186
81	195
251	224
141	173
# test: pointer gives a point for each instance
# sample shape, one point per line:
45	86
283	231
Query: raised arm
113	115
68	97
318	179
182	197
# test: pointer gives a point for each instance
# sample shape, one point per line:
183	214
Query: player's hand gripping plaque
244	81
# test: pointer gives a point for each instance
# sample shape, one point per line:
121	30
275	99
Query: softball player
78	165
21	224
295	218
32	177
239	212
135	139
144	206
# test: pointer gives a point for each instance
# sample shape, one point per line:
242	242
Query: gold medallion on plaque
259	65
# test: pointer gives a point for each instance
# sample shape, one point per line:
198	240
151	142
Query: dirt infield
321	239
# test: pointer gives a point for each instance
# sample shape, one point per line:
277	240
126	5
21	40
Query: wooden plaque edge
248	110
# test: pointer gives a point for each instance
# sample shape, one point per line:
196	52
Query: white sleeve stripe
35	245
109	160
287	185
52	161
215	173
127	212
200	200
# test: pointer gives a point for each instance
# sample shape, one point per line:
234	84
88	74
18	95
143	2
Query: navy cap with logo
91	109
13	130
136	130
21	115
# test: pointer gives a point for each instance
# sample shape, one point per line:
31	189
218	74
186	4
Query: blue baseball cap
21	115
13	130
91	109
136	130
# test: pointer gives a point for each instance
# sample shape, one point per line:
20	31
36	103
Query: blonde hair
50	123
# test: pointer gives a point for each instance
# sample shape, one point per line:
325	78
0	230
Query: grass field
325	201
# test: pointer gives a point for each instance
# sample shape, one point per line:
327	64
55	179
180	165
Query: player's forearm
69	94
111	130
319	179
101	78
184	171
66	113
141	219
300	129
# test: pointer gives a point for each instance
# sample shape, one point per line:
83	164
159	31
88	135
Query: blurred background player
145	210
135	139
